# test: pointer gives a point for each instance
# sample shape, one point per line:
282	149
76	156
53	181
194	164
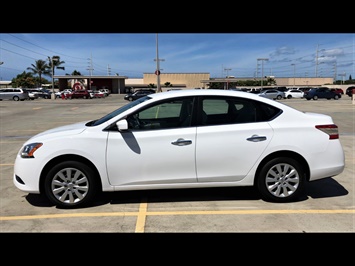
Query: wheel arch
286	153
68	157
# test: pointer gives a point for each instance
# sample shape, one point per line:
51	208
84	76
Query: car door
156	150
227	149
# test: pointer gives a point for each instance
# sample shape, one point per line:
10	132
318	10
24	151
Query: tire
130	99
281	180
289	96
76	190
315	97
336	97
279	97
16	98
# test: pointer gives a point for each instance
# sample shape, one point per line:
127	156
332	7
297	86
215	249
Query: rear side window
230	110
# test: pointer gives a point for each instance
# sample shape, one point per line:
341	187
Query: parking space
328	206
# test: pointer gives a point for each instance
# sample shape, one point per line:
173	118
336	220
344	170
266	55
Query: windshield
117	111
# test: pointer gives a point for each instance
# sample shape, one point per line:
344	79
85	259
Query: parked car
77	94
321	93
40	92
105	91
338	90
293	93
59	94
32	96
272	94
97	94
349	91
183	139
138	94
15	94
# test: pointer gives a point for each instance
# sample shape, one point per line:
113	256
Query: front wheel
281	180
70	184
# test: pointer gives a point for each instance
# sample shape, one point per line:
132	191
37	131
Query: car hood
67	130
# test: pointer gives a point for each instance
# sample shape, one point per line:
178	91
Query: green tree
168	84
39	68
24	80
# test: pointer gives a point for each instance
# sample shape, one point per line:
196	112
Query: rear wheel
315	97
281	180
16	98
336	97
70	184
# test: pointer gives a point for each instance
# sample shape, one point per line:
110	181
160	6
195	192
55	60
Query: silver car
15	94
272	94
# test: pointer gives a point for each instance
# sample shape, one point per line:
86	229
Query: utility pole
262	69
90	69
157	71
294	69
317	61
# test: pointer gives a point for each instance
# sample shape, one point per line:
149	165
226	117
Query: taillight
331	130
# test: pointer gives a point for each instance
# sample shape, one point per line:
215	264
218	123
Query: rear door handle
256	138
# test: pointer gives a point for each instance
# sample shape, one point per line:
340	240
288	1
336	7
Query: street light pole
157	72
53	58
262	69
294	69
227	69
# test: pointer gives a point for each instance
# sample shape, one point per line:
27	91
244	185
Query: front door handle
181	142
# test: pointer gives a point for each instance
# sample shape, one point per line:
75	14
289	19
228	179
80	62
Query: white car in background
183	139
58	94
294	93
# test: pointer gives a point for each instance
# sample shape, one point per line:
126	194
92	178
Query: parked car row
84	94
312	93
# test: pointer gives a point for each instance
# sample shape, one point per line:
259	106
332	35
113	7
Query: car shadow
323	188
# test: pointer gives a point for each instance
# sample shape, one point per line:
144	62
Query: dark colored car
138	94
349	91
40	93
84	94
321	93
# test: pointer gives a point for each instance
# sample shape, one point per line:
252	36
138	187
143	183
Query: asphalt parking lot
329	205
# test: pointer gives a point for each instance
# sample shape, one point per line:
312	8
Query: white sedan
294	93
183	139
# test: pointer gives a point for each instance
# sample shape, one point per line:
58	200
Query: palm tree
56	64
40	68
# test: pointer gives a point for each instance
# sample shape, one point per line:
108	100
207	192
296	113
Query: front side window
174	113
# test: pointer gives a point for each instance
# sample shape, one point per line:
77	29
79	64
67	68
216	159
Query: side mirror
122	125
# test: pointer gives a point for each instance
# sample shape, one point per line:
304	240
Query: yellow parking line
143	213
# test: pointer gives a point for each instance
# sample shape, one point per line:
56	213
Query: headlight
29	150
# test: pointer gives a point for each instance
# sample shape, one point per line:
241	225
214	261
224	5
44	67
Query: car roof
209	92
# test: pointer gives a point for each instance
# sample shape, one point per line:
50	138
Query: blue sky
220	54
